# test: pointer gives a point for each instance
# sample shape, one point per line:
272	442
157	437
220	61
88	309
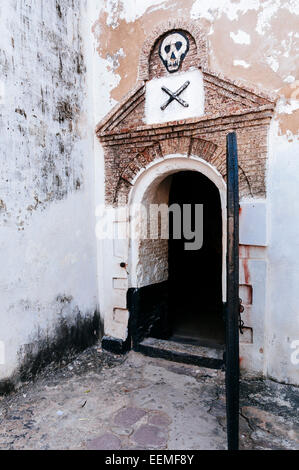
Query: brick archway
143	191
201	148
135	145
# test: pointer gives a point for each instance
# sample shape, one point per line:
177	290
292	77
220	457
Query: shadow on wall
70	337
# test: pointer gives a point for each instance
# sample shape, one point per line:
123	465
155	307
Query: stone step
202	356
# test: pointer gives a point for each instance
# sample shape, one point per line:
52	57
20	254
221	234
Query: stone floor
101	401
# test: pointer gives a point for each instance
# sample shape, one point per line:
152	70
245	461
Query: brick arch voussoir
211	152
194	146
139	162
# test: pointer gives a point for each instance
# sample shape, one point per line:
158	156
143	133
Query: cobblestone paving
100	401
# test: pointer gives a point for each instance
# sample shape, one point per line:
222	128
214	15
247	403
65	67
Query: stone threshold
202	356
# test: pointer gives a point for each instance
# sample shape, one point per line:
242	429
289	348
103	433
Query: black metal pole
232	306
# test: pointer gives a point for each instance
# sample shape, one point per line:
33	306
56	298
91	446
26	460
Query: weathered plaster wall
47	242
252	40
255	41
282	316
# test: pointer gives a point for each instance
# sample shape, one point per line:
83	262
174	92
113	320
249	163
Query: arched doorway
194	279
176	294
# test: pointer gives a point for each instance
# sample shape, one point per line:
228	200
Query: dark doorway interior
195	277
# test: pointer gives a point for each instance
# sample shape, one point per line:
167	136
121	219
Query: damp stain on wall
56	346
69	337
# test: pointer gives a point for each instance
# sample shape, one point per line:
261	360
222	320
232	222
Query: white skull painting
173	50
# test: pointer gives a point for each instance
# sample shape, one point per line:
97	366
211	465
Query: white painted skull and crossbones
173	50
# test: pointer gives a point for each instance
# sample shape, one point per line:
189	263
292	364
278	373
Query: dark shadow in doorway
195	277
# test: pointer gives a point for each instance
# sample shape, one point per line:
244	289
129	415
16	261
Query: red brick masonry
130	145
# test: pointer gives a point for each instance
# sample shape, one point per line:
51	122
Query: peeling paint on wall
240	37
261	37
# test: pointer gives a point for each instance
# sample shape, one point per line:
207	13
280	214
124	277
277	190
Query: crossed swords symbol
175	96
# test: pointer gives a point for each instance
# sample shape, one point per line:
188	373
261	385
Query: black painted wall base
148	316
7	387
116	345
148	307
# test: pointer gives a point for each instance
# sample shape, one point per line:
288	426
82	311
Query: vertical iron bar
232	311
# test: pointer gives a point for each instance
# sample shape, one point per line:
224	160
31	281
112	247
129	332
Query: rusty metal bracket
241	323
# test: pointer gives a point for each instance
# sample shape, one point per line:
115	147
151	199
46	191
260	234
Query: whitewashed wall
47	242
282	316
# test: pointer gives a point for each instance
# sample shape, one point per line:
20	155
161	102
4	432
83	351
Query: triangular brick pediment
223	97
132	103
